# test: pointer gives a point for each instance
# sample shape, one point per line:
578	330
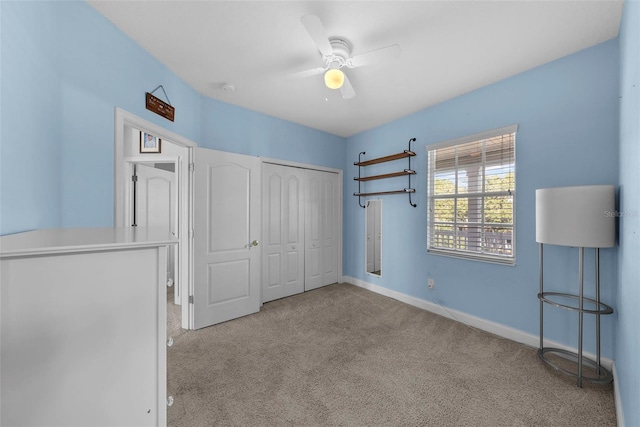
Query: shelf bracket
409	149
360	182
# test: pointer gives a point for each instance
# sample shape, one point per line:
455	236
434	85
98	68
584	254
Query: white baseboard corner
495	328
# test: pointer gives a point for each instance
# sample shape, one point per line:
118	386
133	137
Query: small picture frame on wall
149	143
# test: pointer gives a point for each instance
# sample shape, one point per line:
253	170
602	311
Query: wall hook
163	91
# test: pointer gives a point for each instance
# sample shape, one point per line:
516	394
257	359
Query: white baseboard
616	398
468	319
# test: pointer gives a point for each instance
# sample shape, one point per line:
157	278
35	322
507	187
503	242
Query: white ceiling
448	48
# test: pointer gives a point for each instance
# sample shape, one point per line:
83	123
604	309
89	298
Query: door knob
254	243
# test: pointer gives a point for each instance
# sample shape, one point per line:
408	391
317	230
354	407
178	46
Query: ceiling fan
336	54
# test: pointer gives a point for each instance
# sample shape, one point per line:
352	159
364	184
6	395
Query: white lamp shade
576	216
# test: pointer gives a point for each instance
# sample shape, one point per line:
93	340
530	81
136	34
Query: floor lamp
581	217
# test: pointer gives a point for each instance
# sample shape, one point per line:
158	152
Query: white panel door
321	229
312	228
330	193
157	206
283	231
227	229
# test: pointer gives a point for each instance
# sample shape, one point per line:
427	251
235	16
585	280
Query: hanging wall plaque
160	107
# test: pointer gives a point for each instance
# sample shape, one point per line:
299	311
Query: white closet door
330	216
283	231
321	229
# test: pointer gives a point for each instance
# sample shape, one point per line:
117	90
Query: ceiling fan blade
346	89
375	56
316	30
307	73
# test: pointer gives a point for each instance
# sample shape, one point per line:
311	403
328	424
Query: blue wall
64	70
230	128
567	112
31	129
628	338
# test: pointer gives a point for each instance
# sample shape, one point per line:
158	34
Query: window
471	196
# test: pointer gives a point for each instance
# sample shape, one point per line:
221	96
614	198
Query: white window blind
471	196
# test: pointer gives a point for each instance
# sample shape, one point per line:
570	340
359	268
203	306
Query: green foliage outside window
497	209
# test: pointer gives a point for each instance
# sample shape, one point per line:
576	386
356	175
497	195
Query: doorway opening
155	203
155	190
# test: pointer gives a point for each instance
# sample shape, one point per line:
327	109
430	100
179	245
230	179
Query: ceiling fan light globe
334	78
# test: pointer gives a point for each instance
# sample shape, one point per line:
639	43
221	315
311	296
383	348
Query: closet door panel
293	269
273	269
313	229
292	265
321	215
330	272
295	231
274	210
330	192
283	263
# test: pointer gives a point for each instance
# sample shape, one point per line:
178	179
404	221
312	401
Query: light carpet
345	356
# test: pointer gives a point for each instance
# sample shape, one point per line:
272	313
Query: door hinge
190	299
134	178
191	233
192	167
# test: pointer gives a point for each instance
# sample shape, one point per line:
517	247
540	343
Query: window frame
431	197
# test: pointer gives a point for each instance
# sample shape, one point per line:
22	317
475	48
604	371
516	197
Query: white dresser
83	327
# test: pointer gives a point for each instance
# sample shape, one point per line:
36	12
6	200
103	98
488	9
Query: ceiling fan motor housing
341	53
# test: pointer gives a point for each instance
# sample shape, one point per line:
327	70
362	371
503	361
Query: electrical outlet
431	283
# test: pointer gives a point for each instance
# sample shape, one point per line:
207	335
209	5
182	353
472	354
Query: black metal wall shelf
406	154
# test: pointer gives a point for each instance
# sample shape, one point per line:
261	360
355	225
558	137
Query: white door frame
340	198
124	120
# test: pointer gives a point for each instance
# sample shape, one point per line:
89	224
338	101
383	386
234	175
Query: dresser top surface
68	240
